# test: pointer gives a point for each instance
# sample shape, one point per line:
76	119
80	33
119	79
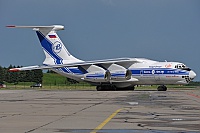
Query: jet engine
103	76
121	75
100	76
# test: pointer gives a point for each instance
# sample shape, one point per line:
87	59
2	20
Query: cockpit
182	66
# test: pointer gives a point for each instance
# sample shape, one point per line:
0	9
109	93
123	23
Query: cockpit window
183	67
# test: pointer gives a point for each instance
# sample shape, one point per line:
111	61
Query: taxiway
34	111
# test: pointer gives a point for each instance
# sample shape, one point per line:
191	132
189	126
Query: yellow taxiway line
100	126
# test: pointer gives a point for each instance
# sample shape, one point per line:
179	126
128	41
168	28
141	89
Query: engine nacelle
101	76
121	75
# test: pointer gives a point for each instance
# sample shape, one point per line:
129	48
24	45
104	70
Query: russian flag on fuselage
52	36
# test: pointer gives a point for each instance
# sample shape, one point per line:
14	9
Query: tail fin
55	51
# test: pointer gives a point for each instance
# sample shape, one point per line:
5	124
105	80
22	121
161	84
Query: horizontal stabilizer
37	28
28	68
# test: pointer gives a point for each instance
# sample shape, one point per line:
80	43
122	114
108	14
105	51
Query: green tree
29	76
1	75
37	76
11	77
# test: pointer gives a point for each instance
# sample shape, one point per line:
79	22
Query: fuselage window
141	72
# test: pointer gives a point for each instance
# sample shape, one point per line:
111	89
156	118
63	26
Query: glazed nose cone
192	75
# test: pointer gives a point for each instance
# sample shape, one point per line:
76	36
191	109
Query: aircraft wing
125	62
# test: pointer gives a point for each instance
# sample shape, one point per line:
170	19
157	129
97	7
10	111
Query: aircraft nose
192	75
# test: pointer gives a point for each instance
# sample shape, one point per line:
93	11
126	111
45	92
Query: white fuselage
148	72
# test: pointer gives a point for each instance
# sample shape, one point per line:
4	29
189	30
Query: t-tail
55	51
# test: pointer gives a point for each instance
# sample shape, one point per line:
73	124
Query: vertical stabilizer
55	51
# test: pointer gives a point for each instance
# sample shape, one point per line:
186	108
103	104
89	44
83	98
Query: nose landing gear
162	88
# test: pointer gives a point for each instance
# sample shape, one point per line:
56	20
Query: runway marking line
191	94
100	126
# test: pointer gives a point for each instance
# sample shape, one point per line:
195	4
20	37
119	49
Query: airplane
108	74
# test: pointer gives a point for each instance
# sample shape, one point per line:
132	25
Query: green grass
53	78
51	81
57	81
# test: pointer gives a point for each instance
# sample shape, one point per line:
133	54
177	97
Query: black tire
162	88
106	88
114	88
99	88
133	88
130	88
126	88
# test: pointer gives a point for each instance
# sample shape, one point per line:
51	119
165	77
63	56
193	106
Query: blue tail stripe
48	47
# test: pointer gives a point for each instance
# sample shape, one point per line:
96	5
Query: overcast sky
100	29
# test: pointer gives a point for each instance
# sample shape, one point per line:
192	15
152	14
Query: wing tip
10	26
14	70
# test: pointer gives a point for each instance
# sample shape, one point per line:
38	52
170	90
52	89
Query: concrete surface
33	111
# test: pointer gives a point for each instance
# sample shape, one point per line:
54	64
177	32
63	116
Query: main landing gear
106	88
112	88
162	88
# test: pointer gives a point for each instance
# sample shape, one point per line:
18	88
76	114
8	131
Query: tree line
21	76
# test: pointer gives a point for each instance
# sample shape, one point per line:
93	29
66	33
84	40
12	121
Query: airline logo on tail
57	47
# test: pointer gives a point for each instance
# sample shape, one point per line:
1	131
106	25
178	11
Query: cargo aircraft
108	74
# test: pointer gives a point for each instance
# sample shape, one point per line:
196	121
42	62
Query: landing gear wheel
126	88
114	88
106	88
133	88
99	88
130	88
162	88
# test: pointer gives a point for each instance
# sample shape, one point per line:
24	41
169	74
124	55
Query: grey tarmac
63	111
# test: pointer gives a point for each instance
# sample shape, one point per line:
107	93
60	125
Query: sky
103	29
